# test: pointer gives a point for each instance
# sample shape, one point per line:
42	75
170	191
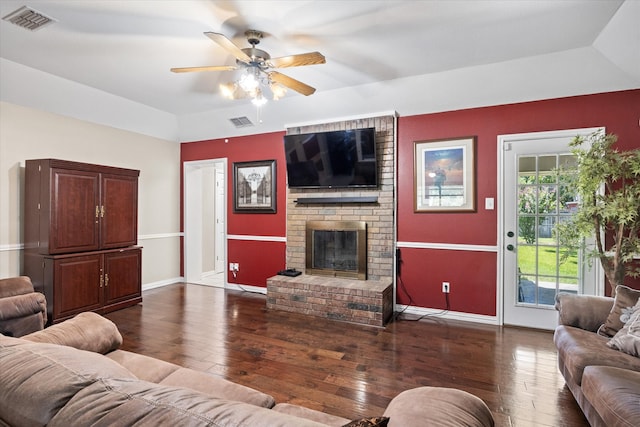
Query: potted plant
607	184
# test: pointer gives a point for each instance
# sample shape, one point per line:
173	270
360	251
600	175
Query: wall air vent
241	122
28	18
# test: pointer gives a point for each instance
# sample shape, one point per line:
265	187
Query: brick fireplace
369	298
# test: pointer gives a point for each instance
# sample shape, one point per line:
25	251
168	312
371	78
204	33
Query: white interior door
534	200
192	223
204	236
208	221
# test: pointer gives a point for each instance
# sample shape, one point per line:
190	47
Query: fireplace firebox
336	248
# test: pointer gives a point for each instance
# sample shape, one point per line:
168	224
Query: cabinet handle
106	280
102	211
97	211
101	280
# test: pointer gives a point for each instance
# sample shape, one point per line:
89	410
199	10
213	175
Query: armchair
22	310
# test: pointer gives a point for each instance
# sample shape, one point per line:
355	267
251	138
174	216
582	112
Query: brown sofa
73	373
604	381
22	310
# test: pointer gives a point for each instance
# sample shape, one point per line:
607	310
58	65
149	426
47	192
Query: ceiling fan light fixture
256	75
259	99
228	90
277	90
249	81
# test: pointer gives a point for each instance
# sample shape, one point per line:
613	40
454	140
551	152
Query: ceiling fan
259	63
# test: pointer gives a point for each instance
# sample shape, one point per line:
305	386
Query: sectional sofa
598	342
73	373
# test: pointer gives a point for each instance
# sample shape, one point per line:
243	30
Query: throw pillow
623	304
369	422
627	339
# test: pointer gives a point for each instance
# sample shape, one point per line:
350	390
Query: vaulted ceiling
441	54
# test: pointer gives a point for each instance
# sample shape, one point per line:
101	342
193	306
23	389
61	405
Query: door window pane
547	198
527	170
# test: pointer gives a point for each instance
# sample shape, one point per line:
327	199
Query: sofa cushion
18	285
625	299
582	311
627	339
38	379
86	331
614	393
20	326
311	414
217	387
124	402
578	349
16	306
165	373
144	367
442	407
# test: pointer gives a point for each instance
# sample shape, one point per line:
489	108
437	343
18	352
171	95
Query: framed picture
254	187
444	175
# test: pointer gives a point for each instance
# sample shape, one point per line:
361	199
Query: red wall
472	274
258	260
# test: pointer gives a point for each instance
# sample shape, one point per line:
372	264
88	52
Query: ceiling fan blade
205	68
311	58
291	83
227	44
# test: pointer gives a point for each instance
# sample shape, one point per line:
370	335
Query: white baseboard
161	283
449	315
231	286
246	288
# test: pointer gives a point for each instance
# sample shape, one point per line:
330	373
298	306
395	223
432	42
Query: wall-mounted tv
333	159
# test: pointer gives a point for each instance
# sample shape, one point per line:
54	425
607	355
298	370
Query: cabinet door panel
74	198
119	226
122	275
77	285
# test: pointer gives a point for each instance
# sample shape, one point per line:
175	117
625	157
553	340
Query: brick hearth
367	302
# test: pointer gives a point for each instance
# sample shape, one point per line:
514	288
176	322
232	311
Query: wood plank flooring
345	369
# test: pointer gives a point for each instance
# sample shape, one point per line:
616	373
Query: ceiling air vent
241	122
28	18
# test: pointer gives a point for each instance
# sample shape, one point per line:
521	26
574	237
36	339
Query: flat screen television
333	159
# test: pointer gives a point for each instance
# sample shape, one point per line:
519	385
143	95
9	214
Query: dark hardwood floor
346	369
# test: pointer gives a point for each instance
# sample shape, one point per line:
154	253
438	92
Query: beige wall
30	134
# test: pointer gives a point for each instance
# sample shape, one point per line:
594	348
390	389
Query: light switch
488	203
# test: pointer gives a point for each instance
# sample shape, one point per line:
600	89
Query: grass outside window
547	261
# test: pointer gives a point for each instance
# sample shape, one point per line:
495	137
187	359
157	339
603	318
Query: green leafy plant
534	199
607	184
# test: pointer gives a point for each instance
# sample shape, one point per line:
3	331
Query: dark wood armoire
81	234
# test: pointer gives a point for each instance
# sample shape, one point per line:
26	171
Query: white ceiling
126	47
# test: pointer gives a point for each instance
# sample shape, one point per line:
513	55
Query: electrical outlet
230	266
446	287
236	266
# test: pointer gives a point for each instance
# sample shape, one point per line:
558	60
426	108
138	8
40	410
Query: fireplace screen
337	248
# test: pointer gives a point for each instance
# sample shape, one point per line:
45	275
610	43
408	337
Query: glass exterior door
535	266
